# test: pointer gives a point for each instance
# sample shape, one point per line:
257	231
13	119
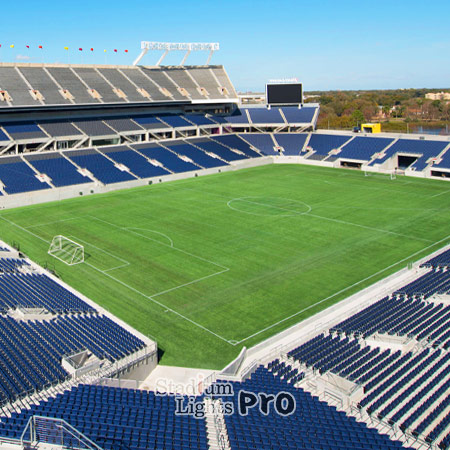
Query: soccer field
207	265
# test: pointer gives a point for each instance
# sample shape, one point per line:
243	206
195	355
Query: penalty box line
151	297
340	292
162	305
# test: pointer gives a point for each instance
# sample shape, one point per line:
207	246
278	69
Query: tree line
395	109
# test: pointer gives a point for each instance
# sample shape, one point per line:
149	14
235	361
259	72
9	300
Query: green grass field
209	264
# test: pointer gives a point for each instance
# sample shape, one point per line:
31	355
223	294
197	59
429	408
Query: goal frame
392	174
57	251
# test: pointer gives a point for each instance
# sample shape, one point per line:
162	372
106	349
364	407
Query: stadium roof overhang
49	112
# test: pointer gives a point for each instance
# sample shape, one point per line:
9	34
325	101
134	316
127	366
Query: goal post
392	174
66	250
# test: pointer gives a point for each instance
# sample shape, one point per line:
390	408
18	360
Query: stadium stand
102	168
94	127
17	177
238	117
60	129
139	165
364	148
299	115
117	79
273	116
322	144
227	147
180	76
17	89
161	79
292	144
174	121
40	80
150	122
95	81
165	157
123	125
198	119
234	142
60	323
313	424
24	131
445	162
265	116
405	387
60	171
196	155
263	142
70	83
144	83
118	418
211	146
65	85
424	149
3	136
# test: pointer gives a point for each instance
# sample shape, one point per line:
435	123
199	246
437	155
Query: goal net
391	174
66	250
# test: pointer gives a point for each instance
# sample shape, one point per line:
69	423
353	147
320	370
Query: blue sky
325	44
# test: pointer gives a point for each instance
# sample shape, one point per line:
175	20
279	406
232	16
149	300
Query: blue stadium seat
60	171
102	168
292	143
17	177
168	159
295	115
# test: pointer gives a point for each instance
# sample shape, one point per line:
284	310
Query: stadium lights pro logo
283	403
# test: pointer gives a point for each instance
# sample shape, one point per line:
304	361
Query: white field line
308	213
369	228
152	231
162	243
341	291
125	262
233	342
162	305
440	193
290	211
104	251
51	223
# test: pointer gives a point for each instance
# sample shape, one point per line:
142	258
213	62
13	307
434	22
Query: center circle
269	206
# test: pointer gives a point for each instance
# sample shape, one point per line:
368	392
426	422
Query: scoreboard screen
284	94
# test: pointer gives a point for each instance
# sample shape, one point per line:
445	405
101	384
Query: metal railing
48	430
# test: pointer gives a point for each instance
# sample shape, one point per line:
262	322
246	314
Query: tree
386	110
357	117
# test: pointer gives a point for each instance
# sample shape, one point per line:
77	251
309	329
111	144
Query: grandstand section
48	85
43	322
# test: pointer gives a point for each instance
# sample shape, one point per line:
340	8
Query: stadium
179	271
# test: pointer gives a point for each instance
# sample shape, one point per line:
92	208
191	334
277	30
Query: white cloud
23	57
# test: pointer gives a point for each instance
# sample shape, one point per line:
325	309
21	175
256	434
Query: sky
325	44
